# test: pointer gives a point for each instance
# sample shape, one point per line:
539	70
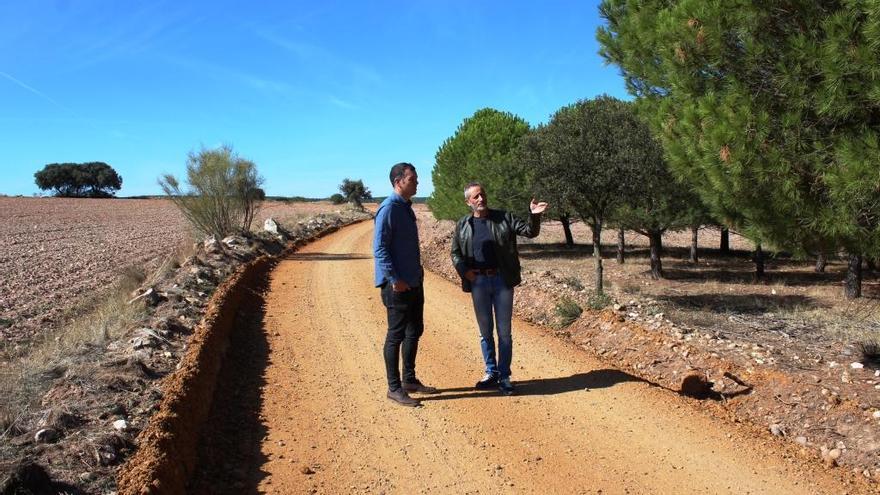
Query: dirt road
317	420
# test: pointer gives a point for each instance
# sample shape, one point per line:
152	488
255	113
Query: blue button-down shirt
396	243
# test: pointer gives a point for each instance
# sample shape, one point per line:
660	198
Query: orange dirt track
575	426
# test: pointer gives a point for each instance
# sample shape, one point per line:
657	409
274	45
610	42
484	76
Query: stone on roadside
120	425
270	226
777	430
46	435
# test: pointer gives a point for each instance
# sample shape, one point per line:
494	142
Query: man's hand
400	286
537	208
471	275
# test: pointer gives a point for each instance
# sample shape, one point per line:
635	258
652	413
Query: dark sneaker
506	387
401	397
417	387
490	380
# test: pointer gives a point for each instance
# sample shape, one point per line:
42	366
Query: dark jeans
405	326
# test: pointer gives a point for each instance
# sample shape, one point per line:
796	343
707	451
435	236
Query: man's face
477	199
408	183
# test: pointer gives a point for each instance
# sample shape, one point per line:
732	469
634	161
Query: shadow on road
327	256
595	379
230	458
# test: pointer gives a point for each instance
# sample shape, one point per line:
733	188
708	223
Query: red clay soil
166	455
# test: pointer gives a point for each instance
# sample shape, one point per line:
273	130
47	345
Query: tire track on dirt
574	426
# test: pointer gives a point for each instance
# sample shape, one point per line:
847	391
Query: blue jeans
489	294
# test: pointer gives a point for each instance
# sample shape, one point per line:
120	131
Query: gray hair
470	185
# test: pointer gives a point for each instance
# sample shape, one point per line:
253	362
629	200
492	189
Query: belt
489	272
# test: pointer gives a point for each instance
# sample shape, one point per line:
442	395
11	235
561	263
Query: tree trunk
566	227
759	261
694	237
821	262
725	240
621	245
597	254
656	243
853	286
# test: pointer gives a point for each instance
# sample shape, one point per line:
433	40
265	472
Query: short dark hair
399	170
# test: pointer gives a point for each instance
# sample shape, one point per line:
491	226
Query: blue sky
313	92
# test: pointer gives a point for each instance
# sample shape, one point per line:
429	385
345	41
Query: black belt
489	272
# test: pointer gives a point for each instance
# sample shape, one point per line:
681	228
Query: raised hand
537	208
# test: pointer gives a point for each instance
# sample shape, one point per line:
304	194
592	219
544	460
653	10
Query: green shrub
567	311
224	192
599	301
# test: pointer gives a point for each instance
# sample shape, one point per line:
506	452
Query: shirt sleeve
382	244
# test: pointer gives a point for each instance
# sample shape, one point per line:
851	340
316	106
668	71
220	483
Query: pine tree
482	150
769	111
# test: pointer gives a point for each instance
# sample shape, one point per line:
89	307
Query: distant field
57	253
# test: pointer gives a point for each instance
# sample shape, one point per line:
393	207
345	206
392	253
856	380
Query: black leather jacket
505	227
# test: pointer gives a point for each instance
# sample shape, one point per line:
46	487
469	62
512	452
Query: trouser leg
412	332
502	303
481	295
397	323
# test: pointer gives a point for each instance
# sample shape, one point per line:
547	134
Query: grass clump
567	311
573	282
599	301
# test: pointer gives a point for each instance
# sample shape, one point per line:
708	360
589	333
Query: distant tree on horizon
79	180
355	192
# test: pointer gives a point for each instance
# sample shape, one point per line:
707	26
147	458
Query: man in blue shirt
399	274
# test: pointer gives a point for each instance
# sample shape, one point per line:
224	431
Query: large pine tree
771	111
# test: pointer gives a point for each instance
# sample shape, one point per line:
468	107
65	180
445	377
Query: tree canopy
769	113
79	180
593	154
482	150
354	192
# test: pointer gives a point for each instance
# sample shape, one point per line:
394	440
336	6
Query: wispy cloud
342	103
220	72
316	54
32	90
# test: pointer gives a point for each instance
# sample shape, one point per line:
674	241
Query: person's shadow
543	386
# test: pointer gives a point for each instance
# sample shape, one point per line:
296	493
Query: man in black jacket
485	255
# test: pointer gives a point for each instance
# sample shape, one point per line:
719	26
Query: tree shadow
740	303
229	451
327	256
741	276
539	250
595	379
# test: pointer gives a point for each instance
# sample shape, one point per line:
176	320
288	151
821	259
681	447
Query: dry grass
27	373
